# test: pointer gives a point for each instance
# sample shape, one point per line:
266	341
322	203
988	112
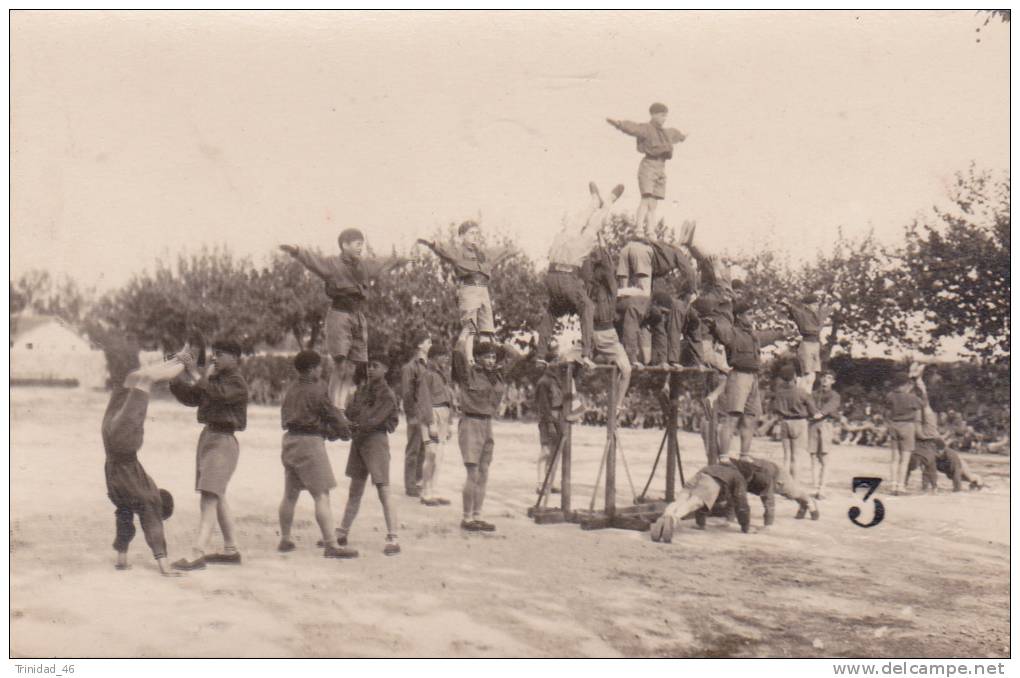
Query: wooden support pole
611	446
672	451
568	401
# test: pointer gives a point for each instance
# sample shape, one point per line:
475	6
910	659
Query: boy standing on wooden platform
569	270
472	265
221	396
656	142
309	419
374	414
347	278
128	486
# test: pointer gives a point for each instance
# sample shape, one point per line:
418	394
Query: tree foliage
957	261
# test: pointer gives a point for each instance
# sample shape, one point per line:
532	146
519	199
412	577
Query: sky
136	135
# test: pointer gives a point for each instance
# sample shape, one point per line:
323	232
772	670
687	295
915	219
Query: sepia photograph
510	334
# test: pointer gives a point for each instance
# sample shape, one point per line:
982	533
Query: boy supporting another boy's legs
373	415
309	417
438	381
222	401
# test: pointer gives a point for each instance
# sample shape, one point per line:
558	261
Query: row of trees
950	277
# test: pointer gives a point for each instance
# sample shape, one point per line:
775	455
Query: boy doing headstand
128	486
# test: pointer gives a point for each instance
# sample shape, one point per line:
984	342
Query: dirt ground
931	581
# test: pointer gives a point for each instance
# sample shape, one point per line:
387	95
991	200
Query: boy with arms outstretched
347	278
656	142
472	265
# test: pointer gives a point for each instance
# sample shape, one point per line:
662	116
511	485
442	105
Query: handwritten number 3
870	484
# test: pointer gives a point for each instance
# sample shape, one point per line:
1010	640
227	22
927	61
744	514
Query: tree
208	294
866	286
38	291
958	265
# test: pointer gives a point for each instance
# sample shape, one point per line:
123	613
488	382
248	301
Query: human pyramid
684	296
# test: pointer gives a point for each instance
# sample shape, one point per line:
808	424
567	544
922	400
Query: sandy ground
931	581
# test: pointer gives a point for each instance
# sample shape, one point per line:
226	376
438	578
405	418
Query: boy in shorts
793	406
472	266
374	414
903	413
809	315
309	419
740	403
128	486
441	398
482	386
417	412
347	278
656	143
221	396
827	402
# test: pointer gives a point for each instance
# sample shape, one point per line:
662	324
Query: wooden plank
549	517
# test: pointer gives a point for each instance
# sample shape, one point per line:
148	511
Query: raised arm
770	336
313	261
442	251
634	129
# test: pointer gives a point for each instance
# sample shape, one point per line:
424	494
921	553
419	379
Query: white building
44	349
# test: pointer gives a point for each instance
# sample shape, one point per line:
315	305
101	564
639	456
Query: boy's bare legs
646	214
474	491
821	473
544	456
353	504
467	340
622	384
324	518
788	455
341	382
726	424
894	457
287	504
164	568
207	506
901	477
746	426
480	486
226	521
389	510
428	471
